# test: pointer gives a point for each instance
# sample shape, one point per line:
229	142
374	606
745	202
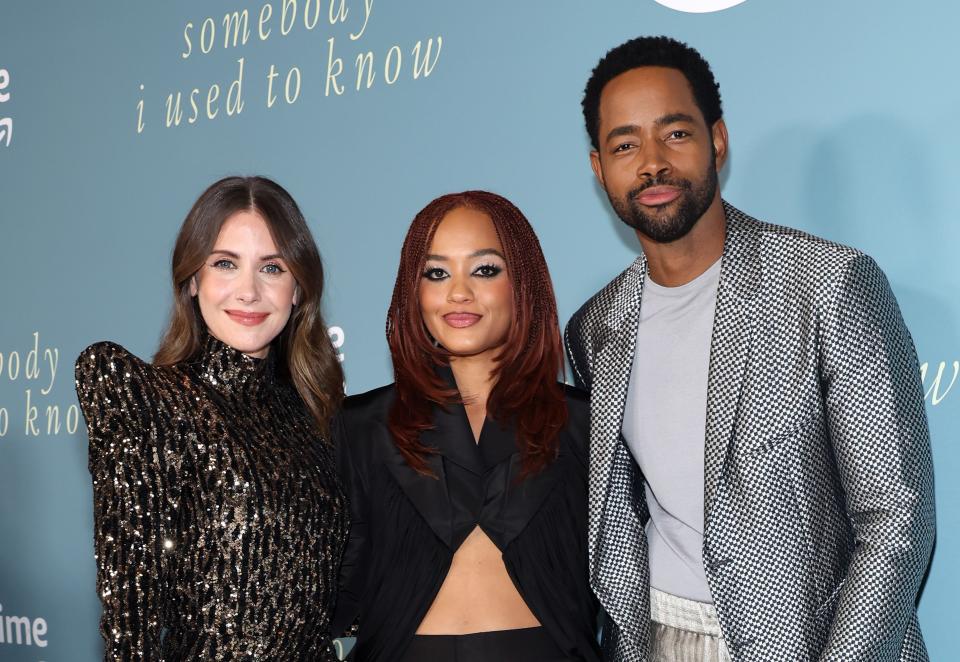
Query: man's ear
720	143
597	168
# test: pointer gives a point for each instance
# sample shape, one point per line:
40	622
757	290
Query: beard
663	228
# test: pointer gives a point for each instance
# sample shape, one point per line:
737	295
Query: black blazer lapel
452	437
427	494
453	441
509	504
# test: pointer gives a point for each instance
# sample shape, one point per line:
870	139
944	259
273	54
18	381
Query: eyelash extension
497	269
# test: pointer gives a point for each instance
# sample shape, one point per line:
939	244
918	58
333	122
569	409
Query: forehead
245	229
641	95
464	230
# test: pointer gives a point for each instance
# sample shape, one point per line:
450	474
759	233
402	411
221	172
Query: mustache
682	184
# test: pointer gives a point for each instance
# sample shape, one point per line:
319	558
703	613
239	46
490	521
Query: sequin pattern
219	517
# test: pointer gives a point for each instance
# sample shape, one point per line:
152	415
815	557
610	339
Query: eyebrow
479	253
263	258
660	122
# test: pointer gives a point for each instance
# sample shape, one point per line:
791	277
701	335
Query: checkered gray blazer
819	517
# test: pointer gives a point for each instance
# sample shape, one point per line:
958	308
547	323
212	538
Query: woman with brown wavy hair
219	516
467	476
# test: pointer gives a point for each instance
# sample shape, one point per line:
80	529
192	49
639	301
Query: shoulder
820	271
589	327
362	415
370	405
786	249
797	263
361	426
116	391
112	382
606	301
106	365
105	352
810	252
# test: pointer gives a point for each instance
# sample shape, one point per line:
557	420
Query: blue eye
272	269
487	270
435	273
223	264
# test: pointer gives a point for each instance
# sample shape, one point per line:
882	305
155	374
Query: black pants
522	645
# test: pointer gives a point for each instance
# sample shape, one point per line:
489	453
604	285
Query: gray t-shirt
664	426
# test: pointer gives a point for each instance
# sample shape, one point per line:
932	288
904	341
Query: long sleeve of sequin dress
219	519
130	502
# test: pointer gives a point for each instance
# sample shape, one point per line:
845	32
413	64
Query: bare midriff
477	594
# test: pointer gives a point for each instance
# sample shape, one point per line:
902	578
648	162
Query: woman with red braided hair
467	476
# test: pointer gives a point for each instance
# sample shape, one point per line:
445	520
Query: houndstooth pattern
819	514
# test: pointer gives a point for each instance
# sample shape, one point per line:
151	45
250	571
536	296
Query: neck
473	375
680	261
230	371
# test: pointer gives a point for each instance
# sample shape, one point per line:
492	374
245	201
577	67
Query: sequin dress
219	517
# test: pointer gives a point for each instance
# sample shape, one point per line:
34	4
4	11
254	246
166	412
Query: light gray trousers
684	630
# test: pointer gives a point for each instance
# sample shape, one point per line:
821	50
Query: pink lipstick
245	318
461	320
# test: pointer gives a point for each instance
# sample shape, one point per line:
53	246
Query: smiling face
244	289
466	298
657	158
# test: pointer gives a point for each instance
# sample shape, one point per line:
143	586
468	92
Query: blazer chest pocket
805	426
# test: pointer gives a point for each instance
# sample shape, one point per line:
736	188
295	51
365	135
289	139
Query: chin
458	346
465	352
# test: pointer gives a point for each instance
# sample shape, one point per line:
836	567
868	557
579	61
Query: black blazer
406	527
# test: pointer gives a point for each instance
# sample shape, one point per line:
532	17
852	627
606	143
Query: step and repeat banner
115	115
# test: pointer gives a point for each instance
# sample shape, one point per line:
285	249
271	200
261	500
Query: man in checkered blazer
761	486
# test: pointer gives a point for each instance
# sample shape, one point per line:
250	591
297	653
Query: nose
248	287
460	291
653	161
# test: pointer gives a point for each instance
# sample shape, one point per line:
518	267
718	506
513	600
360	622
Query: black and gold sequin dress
219	517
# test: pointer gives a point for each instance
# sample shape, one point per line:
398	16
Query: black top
219	518
406	527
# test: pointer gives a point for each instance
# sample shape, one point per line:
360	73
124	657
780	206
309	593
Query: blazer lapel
427	494
617	547
453	441
609	392
733	326
510	505
452	436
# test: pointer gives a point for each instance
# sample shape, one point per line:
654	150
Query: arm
881	443
129	500
353	565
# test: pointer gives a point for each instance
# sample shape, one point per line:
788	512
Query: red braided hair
525	393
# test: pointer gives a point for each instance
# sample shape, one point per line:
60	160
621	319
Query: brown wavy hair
305	353
525	393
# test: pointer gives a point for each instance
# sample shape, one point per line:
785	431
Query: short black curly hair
652	52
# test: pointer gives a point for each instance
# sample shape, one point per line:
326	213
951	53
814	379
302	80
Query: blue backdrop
843	122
